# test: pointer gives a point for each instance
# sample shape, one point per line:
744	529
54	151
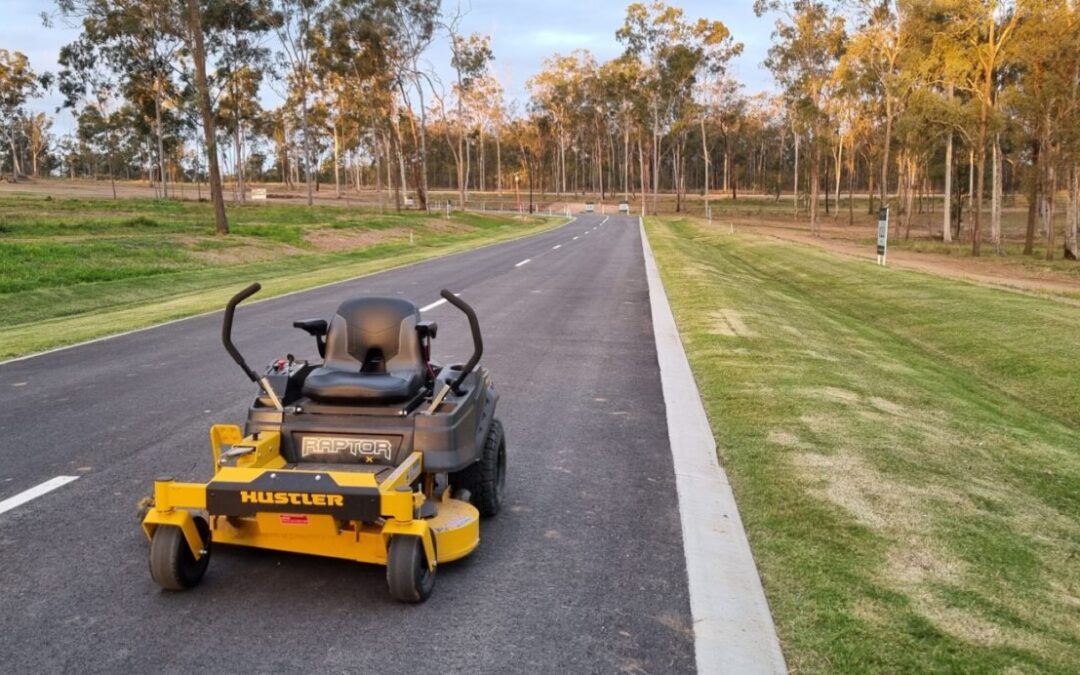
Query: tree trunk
498	162
851	184
884	187
422	184
827	185
815	184
995	196
203	94
975	191
839	172
946	228
795	180
656	161
705	165
160	139
1072	214
641	169
1047	205
14	158
909	192
337	161
308	169
869	187
395	139
1034	188
239	162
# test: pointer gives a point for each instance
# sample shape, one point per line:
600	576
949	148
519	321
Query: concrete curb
733	628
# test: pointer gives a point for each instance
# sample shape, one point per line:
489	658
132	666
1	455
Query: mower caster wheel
407	570
172	564
485	480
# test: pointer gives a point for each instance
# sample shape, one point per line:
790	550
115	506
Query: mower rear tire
172	565
486	479
407	572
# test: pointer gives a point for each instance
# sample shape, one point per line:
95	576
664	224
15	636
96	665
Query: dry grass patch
352	239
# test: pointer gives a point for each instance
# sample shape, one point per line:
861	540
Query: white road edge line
556	247
526	261
433	305
441	301
103	338
35	492
733	628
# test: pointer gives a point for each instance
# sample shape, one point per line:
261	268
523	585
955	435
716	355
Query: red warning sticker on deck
288	519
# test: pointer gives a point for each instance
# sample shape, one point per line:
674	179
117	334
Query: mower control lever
478	341
226	339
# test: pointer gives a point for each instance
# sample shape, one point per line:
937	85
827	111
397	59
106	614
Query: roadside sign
882	234
409	203
624	207
258	194
589	207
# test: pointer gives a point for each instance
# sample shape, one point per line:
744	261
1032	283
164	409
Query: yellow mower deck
256	499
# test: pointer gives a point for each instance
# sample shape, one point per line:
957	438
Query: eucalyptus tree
469	58
295	24
235	32
554	90
807	42
88	84
973	40
1046	53
18	84
675	53
139	41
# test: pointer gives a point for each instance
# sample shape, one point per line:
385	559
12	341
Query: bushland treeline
968	102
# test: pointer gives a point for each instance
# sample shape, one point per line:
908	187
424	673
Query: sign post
882	234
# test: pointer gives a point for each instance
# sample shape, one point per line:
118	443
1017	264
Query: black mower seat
373	354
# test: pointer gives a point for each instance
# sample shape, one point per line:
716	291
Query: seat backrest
373	334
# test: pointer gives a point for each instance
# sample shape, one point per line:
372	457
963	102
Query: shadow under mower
377	455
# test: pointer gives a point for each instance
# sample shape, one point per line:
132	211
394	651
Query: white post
882	234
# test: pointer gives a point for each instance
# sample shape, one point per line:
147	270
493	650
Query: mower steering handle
226	328
478	340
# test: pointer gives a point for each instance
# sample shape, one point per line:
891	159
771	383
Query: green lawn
76	269
905	450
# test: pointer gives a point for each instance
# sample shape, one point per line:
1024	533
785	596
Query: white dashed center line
556	247
35	492
526	261
575	238
433	305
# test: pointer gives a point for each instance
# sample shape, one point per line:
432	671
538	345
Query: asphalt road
583	572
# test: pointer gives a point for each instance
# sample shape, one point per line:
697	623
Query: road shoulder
733	628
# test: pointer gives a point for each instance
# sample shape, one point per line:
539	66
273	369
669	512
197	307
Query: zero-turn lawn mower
377	455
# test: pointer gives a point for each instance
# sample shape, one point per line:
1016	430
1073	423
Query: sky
524	33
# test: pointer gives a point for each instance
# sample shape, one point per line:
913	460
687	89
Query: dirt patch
349	240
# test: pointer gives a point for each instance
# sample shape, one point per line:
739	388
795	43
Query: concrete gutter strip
733	628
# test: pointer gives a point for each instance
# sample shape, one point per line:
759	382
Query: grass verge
73	270
904	449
